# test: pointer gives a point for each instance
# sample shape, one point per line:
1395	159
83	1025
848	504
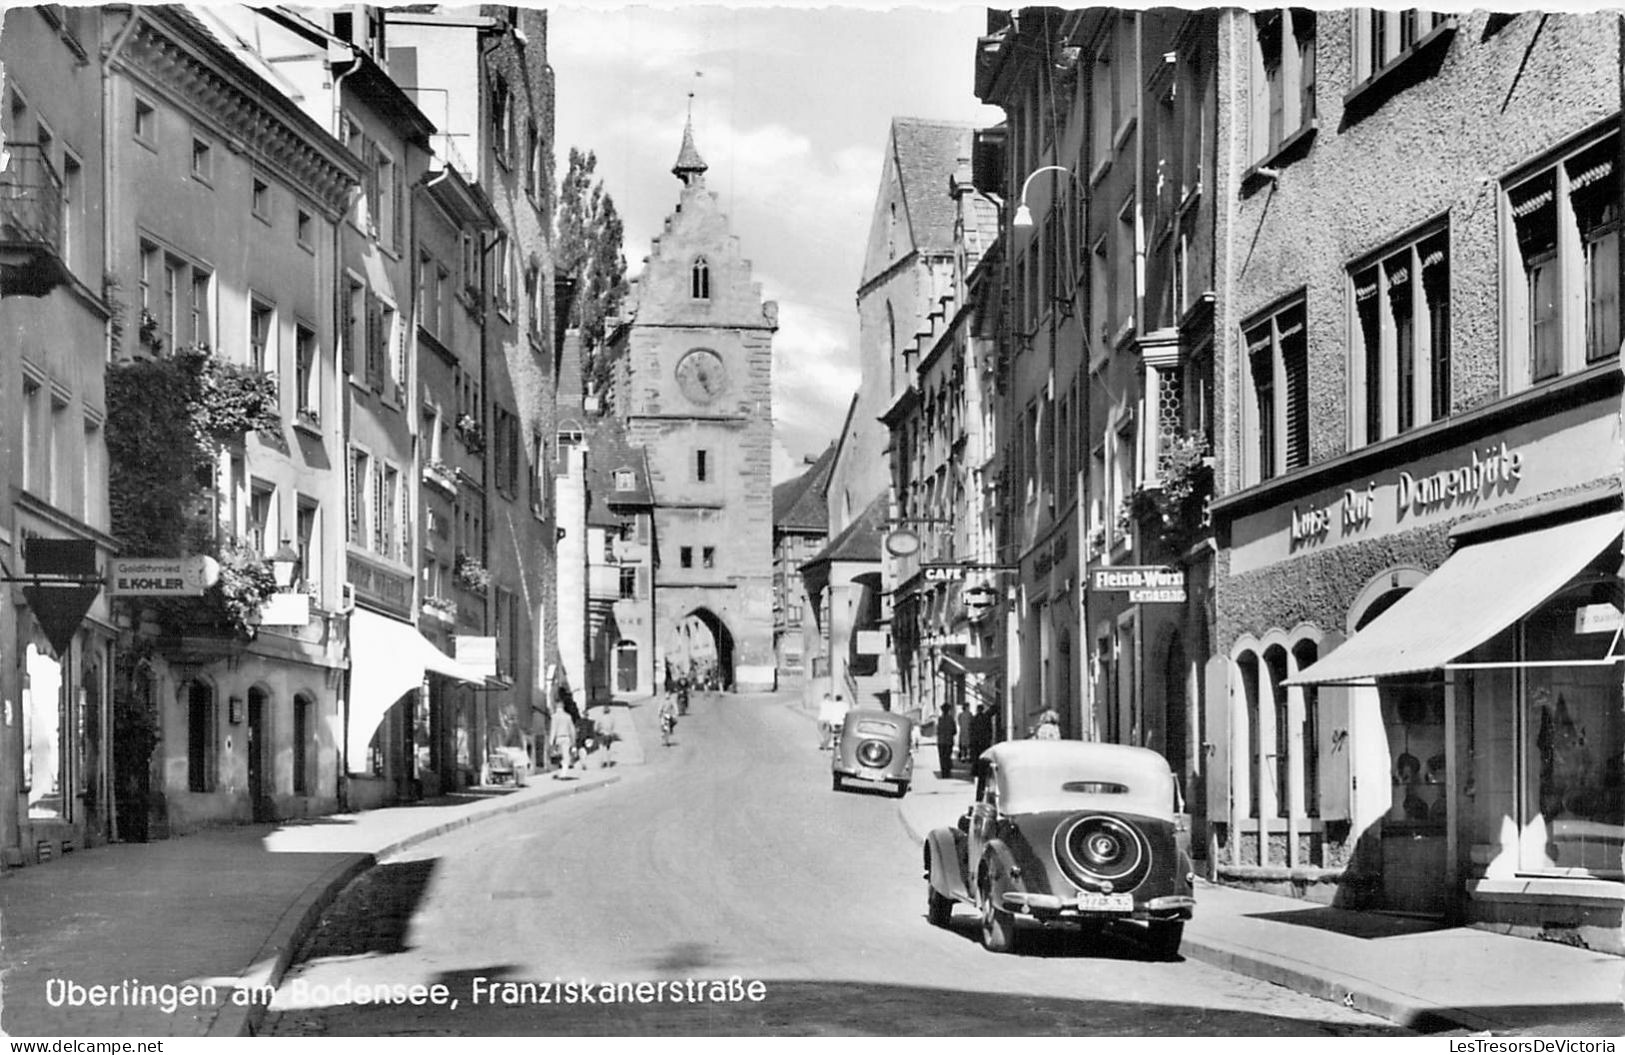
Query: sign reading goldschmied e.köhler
1496	469
1144	584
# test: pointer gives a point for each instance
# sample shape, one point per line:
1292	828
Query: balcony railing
30	223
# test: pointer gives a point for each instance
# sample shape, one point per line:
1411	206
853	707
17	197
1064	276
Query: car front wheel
998	926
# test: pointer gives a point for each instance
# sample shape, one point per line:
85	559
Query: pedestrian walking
981	731
962	724
946	732
826	721
668	720
561	738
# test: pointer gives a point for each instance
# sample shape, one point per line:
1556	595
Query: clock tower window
699	280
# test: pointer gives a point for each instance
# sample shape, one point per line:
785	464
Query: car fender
945	863
999	864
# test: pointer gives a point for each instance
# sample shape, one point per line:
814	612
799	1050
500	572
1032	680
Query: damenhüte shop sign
1493	470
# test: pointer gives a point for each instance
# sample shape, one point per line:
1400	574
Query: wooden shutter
398	189
1295	369
1336	747
1216	747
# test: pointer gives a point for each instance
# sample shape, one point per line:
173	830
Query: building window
533	159
502	265
1384	38
307	394
699	285
146	121
535	303
1100	113
500	105
1283	78
73	211
1123	270
629	583
1564	266
708	557
1278	413
702	466
626	480
202	159
1401	358
261	333
261	508
303	229
201	315
261	200
360	482
308	541
685	557
387	201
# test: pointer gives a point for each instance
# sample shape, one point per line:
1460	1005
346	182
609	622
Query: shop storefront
1415	702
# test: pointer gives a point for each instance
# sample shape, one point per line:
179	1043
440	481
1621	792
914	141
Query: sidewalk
1421	975
224	908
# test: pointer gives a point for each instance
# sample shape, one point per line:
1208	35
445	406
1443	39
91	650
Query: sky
791	111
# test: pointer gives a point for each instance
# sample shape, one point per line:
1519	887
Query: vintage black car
874	746
1067	833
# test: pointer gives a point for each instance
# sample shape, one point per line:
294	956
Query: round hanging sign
902	543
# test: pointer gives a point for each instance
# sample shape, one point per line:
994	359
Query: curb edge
295	924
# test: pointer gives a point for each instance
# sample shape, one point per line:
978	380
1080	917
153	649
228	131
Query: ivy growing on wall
167	420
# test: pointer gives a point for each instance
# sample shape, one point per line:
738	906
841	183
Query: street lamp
1024	215
285	566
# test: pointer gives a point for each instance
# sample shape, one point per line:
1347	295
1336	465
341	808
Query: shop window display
1413	716
1573	734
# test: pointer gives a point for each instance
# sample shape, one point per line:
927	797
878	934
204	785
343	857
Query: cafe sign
1144	584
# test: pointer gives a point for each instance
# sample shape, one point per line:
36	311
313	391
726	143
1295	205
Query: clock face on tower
701	375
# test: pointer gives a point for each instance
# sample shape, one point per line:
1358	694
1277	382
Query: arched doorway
704	650
626	666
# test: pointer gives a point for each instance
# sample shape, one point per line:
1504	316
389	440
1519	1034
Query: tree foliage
588	249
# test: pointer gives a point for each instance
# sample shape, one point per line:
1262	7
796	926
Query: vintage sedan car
874	746
1064	832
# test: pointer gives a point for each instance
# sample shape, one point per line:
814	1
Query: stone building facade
694	388
1412	702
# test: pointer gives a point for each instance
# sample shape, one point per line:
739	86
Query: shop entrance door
1414	845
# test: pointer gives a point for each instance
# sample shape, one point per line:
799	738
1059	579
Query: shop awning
1476	593
954	663
388	659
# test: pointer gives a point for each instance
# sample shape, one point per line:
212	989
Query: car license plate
1106	902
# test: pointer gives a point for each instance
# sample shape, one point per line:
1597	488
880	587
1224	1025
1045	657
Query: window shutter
398	188
379	517
1222	679
403	551
1295	364
369	162
355	497
371	341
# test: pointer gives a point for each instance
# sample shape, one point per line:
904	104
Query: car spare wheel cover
1098	847
874	753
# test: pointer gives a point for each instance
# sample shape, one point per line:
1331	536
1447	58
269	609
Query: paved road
727	856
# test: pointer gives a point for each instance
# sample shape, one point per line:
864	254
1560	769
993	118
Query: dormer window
626	480
699	280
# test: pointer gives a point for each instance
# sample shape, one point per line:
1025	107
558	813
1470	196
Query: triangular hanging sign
59	610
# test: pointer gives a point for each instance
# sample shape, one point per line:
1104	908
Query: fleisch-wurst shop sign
1144	584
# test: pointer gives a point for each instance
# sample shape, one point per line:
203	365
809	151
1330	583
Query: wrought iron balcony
30	223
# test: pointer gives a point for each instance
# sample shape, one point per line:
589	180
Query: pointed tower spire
690	166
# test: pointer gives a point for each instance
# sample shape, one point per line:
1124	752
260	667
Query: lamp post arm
1039	172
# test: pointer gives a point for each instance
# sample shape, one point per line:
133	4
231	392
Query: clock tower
693	384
